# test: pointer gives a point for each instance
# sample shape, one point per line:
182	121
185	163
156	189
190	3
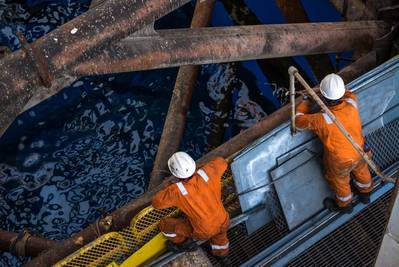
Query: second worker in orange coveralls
340	158
197	193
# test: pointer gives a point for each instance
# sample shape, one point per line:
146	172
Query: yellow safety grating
97	252
115	247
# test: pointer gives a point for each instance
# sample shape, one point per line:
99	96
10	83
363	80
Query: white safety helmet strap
181	165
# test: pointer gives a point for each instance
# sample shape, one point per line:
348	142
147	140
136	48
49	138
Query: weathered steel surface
53	55
353	9
180	103
121	217
34	245
295	178
294	12
223	44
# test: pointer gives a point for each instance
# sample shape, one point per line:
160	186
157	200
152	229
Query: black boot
223	260
187	246
364	198
331	205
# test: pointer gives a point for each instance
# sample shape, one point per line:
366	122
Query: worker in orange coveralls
197	193
340	157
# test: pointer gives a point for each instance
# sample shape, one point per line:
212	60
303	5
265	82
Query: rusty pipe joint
292	71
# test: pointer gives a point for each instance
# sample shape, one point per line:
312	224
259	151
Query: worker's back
199	198
335	143
333	139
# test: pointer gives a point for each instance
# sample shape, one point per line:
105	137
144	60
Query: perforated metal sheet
354	244
385	144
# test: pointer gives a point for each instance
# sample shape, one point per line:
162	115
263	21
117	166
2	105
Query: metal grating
356	243
385	144
244	246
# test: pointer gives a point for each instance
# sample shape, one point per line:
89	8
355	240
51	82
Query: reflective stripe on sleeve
216	247
169	235
182	189
327	118
203	174
344	199
361	185
352	102
299	113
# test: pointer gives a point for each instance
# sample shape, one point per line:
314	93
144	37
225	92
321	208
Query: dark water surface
89	149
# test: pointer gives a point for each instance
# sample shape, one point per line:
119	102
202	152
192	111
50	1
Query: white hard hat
181	165
332	87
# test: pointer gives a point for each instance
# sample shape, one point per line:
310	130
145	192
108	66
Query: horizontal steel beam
53	55
177	47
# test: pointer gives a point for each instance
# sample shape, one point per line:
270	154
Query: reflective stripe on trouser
176	230
182	230
337	174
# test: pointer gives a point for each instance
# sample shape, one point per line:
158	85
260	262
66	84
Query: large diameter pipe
294	12
122	216
180	103
34	245
52	56
177	47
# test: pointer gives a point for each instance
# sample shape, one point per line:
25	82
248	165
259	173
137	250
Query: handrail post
291	71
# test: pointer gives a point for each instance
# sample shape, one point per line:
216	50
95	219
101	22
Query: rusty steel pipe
122	216
79	40
180	103
294	12
275	69
177	47
34	245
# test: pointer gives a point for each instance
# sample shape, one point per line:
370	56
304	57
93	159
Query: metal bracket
18	243
37	59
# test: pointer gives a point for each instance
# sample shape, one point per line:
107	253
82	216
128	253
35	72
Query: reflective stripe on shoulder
182	189
203	174
352	102
327	118
299	113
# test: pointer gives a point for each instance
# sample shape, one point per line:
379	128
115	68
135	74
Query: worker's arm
165	198
349	95
220	165
303	120
215	168
304	107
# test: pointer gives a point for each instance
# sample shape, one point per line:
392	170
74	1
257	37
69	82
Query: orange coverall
340	158
199	198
